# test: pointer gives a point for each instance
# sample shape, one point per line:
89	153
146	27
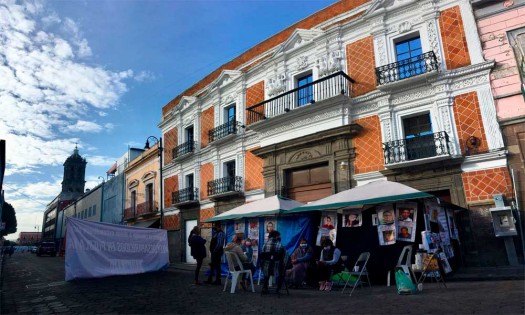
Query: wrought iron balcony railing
330	86
146	207
185	195
407	68
231	127
185	148
225	185
416	148
129	213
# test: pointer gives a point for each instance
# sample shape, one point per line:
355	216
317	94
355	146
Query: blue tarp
292	228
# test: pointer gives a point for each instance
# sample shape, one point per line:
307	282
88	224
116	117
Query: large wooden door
309	184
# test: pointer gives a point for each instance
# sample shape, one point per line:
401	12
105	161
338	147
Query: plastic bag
404	284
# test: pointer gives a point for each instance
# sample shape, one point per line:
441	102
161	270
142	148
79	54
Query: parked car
46	248
34	249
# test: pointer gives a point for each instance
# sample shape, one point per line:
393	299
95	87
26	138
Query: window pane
299	178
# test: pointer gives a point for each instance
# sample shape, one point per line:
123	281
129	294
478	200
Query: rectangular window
419	138
189	181
229	113
408	54
189	134
305	95
229	169
94	209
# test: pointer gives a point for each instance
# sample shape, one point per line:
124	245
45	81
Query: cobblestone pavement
36	285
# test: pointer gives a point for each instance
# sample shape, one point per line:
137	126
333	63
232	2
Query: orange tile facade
207	124
467	116
455	46
254	95
369	148
171	184
206	176
171	222
361	65
483	185
335	9
170	142
204	215
253	166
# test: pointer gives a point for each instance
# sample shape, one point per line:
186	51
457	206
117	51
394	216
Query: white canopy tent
372	193
263	207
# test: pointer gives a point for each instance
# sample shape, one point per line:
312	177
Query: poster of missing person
270	224
387	234
406	231
352	218
253	235
385	214
327	228
238	226
432	209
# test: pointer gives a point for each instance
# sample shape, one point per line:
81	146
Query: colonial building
359	91
72	187
501	26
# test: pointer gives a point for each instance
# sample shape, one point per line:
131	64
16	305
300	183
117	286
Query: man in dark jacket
216	250
198	250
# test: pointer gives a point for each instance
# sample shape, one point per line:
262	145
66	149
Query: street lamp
159	149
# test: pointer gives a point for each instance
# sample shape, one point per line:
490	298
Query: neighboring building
114	193
86	207
142	185
72	187
29	238
501	26
359	91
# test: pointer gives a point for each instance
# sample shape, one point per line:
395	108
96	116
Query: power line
20	192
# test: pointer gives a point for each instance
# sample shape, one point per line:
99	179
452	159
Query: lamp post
159	149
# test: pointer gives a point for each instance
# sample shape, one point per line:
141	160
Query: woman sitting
330	261
301	258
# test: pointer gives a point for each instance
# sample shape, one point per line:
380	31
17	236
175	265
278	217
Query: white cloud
144	76
83	126
99	160
47	93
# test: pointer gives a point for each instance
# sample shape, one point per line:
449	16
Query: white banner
95	250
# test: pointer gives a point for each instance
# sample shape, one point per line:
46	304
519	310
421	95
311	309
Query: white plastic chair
235	274
360	266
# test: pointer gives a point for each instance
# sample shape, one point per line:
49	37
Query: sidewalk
463	274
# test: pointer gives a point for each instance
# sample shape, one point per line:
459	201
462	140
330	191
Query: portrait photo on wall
387	234
238	226
432	209
329	220
270	224
385	214
405	232
253	232
406	212
352	218
327	228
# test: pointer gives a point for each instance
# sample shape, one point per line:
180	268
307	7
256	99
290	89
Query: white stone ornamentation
302	62
276	85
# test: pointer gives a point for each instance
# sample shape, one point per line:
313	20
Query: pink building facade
501	27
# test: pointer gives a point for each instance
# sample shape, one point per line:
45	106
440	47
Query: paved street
34	284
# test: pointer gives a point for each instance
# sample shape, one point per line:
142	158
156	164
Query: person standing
198	250
273	255
216	250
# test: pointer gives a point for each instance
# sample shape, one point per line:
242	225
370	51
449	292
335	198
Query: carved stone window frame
400	114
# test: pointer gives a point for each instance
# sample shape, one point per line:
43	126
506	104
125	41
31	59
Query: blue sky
98	73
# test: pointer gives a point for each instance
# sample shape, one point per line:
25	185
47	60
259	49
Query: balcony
417	150
220	132
146	208
225	186
183	149
129	213
408	68
185	196
306	95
